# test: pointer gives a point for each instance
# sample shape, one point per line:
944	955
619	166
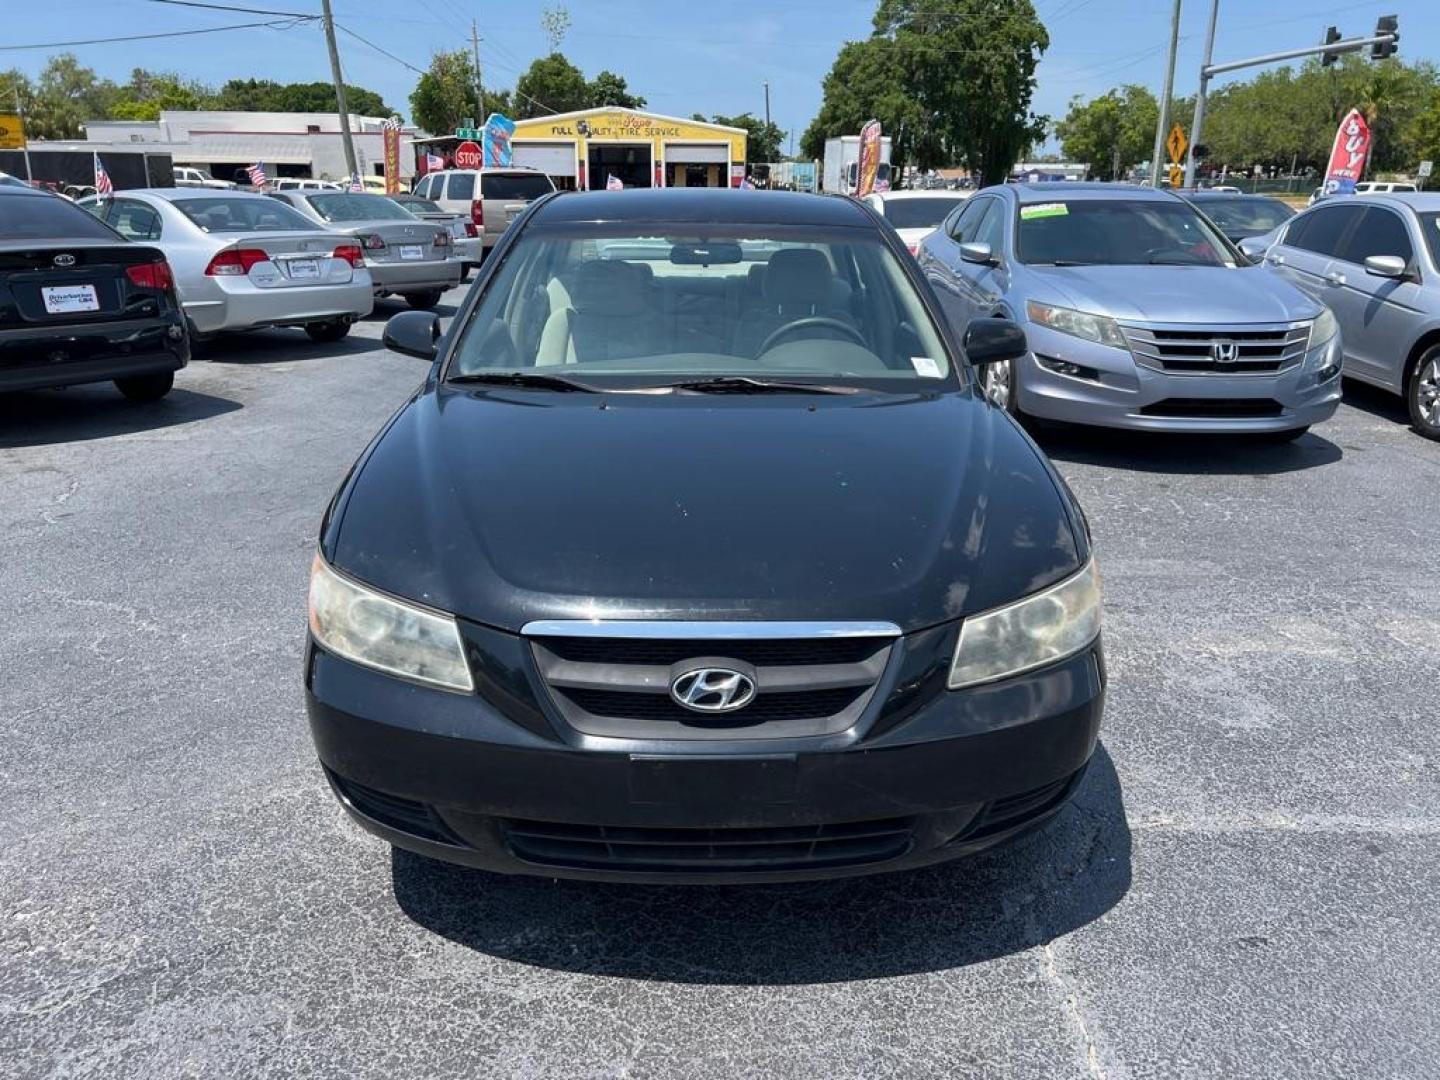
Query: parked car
300	183
189	176
1383	187
491	198
1375	262
464	236
81	304
405	257
1139	313
6	180
796	600
242	261
1241	217
375	185
915	214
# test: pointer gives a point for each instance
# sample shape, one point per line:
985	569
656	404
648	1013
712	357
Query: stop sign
467	156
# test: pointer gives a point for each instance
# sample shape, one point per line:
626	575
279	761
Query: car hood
1178	294
504	506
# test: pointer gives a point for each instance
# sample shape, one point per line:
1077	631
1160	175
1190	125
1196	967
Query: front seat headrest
797	276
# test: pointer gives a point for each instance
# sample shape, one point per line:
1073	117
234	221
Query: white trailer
842	163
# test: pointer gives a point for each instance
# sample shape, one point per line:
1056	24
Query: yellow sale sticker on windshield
1044	209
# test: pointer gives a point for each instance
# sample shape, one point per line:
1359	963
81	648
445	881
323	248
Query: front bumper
420	276
55	356
1123	394
497	780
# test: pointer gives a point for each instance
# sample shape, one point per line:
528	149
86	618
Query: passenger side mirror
1391	266
992	341
977	253
413	333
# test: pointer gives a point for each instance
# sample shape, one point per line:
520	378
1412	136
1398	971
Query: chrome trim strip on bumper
720	631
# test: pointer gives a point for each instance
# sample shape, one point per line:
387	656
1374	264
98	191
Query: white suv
1377	187
490	198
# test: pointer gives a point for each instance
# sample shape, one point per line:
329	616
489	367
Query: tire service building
582	150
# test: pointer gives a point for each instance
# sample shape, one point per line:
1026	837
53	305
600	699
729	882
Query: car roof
1076	190
183	194
1211	195
1419	201
11	191
723	206
921	193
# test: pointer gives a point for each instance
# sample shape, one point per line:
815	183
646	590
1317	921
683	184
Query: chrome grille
1257	350
614	678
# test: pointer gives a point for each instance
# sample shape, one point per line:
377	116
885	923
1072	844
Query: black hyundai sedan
700	556
81	304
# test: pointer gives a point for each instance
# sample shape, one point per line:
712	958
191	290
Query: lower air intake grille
1211	408
395	811
604	847
801	705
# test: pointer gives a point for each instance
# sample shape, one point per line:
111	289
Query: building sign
12	132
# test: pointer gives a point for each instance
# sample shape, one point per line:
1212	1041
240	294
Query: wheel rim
997	383
1428	393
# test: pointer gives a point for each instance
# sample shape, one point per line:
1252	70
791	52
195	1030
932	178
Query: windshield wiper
1062	262
527	379
746	384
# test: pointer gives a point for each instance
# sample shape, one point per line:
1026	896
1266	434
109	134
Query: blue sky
682	55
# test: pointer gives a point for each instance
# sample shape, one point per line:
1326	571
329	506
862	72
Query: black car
700	555
1239	216
79	303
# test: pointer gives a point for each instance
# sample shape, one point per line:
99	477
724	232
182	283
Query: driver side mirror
1387	266
993	341
413	333
978	253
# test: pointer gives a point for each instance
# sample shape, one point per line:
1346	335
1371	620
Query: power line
232	7
382	52
272	24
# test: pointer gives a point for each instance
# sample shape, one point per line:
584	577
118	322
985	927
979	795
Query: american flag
103	187
257	175
614	183
434	163
355	183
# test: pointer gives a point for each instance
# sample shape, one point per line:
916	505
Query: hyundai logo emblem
712	689
1225	352
64	259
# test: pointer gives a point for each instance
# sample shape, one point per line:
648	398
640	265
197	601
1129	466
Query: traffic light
1332	35
1386	24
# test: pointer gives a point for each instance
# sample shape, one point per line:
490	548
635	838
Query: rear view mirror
1391	266
413	333
992	341
977	253
708	254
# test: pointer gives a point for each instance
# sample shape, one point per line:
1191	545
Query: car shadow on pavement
80	413
278	347
1378	403
385	309
990	905
1161	452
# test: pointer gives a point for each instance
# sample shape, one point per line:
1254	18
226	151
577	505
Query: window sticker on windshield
1044	209
925	367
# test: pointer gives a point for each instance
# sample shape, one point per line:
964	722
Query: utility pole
1199	121
1164	119
767	103
349	143
479	86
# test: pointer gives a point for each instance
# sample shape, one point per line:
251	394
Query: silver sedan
406	256
241	261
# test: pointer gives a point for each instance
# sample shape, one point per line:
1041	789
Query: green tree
64	97
445	95
763	141
949	80
148	93
263	95
607	88
1116	127
552	84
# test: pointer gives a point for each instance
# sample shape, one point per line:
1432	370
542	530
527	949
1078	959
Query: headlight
1098	328
1323	328
381	632
1039	629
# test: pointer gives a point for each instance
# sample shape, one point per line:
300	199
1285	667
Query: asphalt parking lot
1244	887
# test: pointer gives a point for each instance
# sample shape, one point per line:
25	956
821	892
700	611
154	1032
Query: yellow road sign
1177	176
12	132
1176	143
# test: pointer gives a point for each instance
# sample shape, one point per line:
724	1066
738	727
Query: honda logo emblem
1225	352
713	689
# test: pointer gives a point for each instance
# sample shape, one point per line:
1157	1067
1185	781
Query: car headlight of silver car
1050	625
1100	329
1323	328
379	631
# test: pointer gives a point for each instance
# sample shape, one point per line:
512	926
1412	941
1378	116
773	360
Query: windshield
49	217
917	213
1119	232
1246	217
239	214
668	303
524	186
352	206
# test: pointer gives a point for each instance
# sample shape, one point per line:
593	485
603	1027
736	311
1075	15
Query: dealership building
582	150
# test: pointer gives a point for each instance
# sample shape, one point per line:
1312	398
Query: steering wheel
812	321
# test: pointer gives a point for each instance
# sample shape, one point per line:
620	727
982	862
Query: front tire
423	301
142	388
327	331
1422	394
